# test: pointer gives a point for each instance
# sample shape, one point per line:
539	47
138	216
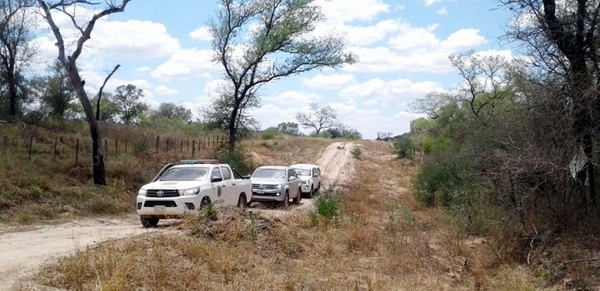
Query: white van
310	175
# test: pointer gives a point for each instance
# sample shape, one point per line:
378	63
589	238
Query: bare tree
318	118
69	61
279	44
15	48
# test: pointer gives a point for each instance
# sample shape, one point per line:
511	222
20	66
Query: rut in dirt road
337	165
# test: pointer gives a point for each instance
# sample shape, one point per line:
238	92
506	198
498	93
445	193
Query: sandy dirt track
24	250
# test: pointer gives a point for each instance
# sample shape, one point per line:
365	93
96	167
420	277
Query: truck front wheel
151	221
242	203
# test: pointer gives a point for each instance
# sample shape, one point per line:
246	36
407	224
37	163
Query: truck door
230	190
219	187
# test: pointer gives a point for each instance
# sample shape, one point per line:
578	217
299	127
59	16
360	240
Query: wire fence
62	147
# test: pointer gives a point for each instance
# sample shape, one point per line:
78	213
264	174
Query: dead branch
102	88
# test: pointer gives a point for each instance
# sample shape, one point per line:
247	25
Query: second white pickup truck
185	187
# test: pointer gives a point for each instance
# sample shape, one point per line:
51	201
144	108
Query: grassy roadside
380	240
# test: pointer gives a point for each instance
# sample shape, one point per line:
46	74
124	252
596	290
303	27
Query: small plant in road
356	152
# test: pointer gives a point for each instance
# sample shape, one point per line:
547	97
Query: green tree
290	128
562	39
171	111
318	118
274	41
54	90
127	99
16	51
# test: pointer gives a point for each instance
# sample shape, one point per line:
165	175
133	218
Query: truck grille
162	193
264	186
169	203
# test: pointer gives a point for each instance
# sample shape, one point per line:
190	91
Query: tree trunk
97	156
12	94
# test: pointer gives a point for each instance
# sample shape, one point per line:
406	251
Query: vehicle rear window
269	173
302	172
185	174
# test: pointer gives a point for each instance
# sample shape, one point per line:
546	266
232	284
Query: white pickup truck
185	187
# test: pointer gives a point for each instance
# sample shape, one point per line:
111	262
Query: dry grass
49	183
383	240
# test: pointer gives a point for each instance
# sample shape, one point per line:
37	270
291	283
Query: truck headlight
279	186
142	192
189	192
305	182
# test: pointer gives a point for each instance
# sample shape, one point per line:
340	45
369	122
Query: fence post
187	150
5	144
30	146
54	150
116	147
167	144
193	147
157	143
181	149
77	152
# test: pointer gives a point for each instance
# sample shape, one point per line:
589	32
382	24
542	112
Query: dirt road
23	251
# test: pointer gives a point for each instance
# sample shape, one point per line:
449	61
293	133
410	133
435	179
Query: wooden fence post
157	143
54	150
181	149
77	152
30	146
167	144
5	144
193	147
106	147
116	147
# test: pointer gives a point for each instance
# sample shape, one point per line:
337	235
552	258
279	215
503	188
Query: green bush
140	145
269	134
237	160
328	204
441	178
356	152
404	148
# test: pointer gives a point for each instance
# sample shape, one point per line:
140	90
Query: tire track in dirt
23	251
336	165
337	168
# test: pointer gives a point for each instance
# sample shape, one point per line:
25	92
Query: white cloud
442	11
201	34
143	69
394	91
462	40
384	60
431	2
187	63
293	99
164	90
340	11
330	82
132	39
410	39
366	35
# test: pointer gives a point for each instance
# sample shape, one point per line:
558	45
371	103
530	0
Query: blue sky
402	48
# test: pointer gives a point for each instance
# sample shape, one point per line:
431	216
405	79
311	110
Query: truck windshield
269	173
303	172
185	174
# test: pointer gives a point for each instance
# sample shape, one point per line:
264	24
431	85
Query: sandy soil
24	249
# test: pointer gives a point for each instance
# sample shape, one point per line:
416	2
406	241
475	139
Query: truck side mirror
216	179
